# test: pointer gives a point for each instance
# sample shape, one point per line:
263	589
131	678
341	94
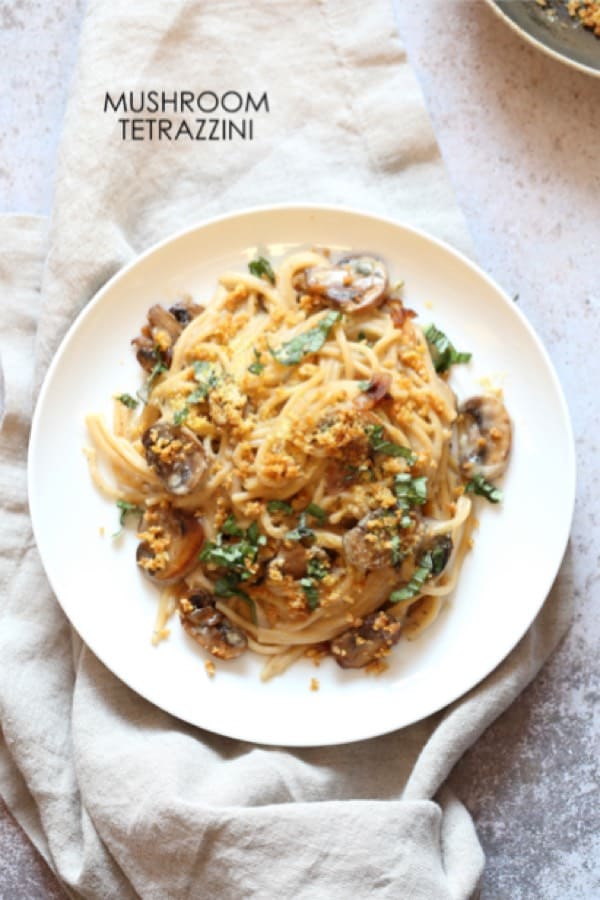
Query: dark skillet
553	30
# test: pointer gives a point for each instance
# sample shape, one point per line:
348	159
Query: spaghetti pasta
302	472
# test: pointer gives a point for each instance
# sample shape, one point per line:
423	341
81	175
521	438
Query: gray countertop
520	134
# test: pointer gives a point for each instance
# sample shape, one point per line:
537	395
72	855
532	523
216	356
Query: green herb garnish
317	512
480	485
291	352
301	532
397	555
126	509
279	506
181	415
236	556
206	379
311	592
443	353
316	568
364	385
261	267
227	586
410	491
257	368
128	400
420	576
388	448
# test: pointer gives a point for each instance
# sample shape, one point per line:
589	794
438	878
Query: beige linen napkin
122	799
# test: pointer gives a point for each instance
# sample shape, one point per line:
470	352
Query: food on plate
300	471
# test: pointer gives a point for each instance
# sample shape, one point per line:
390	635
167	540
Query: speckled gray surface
519	133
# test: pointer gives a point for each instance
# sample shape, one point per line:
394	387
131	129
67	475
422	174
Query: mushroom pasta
301	471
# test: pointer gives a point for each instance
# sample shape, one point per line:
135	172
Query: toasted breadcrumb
210	668
314	684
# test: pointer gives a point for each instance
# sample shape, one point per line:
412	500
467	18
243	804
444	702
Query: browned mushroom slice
375	392
176	455
185	310
170	543
210	628
372	640
367	545
156	340
484	437
355	283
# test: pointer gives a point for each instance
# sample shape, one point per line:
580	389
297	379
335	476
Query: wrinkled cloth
120	798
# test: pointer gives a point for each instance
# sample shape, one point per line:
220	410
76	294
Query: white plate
504	581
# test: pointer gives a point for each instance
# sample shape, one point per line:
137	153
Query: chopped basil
206	379
420	576
227	587
440	554
159	367
430	564
301	532
280	506
181	415
234	556
480	485
316	511
261	267
410	491
443	353
257	368
126	509
128	400
291	352
316	568
364	385
397	555
311	592
388	448
231	527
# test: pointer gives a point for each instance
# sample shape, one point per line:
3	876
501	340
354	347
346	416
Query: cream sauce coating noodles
293	464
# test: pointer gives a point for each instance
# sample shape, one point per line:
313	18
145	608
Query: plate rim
304	208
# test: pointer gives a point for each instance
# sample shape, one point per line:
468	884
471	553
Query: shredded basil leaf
206	379
301	532
291	352
261	267
227	586
128	400
280	506
257	368
364	385
443	353
420	576
181	415
410	491
480	485
235	556
316	568
316	512
311	592
126	509
397	555
388	448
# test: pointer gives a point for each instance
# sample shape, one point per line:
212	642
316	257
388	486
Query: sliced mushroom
185	310
170	543
400	313
210	628
367	545
372	640
484	437
375	392
355	283
156	340
176	455
291	560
